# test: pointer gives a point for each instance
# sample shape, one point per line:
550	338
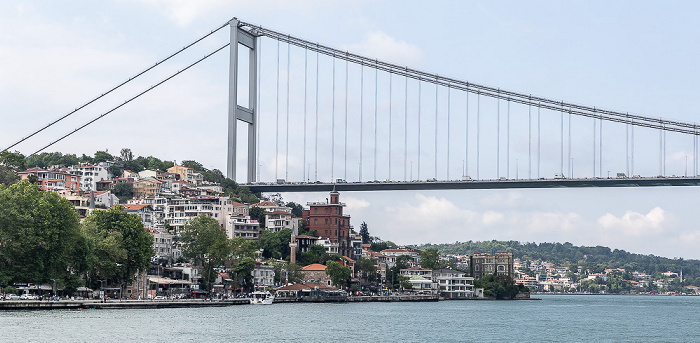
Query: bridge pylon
235	111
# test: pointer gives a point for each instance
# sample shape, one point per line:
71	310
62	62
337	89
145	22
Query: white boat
261	298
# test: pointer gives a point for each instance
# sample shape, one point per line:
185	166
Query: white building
103	198
263	276
242	226
89	175
278	220
451	284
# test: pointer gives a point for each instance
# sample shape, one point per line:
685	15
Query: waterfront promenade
153	304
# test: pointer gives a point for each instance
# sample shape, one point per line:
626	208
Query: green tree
7	176
205	242
114	171
296	209
315	254
340	275
123	190
39	235
126	155
257	213
367	269
364	232
102	156
275	244
137	244
430	259
13	160
241	270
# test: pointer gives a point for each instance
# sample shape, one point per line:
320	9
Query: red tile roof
314	268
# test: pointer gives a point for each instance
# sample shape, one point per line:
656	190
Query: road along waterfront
574	318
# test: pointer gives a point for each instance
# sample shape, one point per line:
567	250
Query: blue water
555	318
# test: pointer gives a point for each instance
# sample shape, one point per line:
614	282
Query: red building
328	221
53	180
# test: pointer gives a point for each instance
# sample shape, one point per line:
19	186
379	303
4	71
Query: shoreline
19	305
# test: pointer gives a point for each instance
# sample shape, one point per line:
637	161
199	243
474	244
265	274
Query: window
326	209
326	221
336	210
315	209
315	221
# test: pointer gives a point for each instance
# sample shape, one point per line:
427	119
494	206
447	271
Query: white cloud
634	223
355	204
384	47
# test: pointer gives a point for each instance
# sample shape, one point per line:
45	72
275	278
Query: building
329	222
144	211
103	198
278	220
263	276
52	180
145	188
244	227
393	253
89	175
186	174
501	263
163	245
451	284
316	273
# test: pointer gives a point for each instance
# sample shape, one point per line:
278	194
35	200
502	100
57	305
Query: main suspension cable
131	99
114	88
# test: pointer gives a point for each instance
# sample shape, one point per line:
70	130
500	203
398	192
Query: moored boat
261	298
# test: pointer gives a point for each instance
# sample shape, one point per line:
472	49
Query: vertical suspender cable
632	148
466	139
600	144
333	125
508	142
345	154
594	151
362	108
316	134
561	155
449	93
529	141
389	154
661	150
571	167
478	128
405	129
306	65
277	115
539	151
257	107
627	148
376	91
664	160
498	135
436	127
286	149
419	113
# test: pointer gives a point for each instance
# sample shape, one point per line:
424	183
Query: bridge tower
236	112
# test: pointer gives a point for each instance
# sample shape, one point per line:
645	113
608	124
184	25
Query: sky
630	56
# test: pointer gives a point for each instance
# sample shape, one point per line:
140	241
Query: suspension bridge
319	117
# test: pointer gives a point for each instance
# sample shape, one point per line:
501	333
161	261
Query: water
555	318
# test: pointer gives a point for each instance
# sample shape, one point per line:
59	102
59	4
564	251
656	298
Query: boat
261	298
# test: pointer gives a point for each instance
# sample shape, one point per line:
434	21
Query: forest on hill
595	259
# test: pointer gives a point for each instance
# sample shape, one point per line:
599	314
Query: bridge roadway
482	184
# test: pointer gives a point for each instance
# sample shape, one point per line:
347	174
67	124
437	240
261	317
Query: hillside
595	258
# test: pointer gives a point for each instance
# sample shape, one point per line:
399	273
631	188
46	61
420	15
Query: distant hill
595	258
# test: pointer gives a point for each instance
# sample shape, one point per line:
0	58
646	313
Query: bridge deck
484	184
